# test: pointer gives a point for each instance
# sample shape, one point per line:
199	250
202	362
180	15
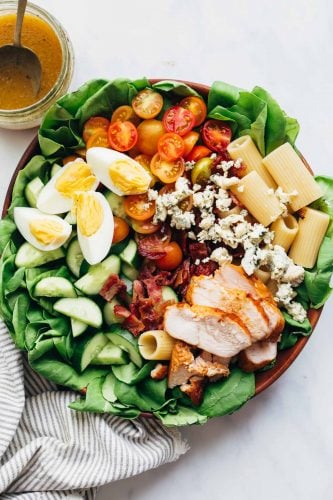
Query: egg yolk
76	177
47	232
89	213
127	177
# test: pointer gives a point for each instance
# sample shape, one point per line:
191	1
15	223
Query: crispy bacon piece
198	251
238	172
153	245
154	290
204	268
131	322
112	287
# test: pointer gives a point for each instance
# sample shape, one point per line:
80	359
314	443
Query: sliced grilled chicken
194	389
207	291
257	356
211	329
233	277
208	369
207	356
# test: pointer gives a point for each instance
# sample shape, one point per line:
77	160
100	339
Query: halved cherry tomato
190	140
93	124
67	159
147	103
122	136
121	230
145	226
138	207
173	257
144	161
178	120
125	114
198	152
167	171
202	171
100	139
197	106
149	132
170	146
216	135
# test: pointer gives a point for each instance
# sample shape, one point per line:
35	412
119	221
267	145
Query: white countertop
280	445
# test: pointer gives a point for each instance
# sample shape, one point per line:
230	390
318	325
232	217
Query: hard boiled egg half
45	232
56	197
94	225
118	172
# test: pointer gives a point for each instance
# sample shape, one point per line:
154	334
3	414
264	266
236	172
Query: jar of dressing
42	33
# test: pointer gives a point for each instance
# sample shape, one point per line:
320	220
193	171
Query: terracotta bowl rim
286	357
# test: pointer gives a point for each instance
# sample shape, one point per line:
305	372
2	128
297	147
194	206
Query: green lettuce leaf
184	416
7	228
226	396
178	89
292	331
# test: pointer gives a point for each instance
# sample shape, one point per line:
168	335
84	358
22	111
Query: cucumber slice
108	388
84	268
55	169
108	312
78	327
130	254
70	218
169	294
29	256
117	248
128	283
86	349
74	257
92	282
81	308
116	204
32	190
129	271
110	355
54	287
127	342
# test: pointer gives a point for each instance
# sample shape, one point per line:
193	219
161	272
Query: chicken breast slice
210	329
207	291
257	356
231	277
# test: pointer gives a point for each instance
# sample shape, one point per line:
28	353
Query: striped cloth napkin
48	451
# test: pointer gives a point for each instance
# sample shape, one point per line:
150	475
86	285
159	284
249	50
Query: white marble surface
280	445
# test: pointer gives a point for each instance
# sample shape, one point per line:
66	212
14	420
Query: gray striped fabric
48	451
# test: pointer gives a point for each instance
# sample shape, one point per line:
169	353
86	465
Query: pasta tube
291	174
244	148
258	198
312	227
156	345
285	229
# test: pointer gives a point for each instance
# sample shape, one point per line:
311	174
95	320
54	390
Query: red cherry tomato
99	139
170	146
173	257
198	152
216	135
122	135
138	207
94	124
178	120
121	230
190	140
167	171
197	106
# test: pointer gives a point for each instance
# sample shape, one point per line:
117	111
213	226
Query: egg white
96	247
23	216
50	200
100	160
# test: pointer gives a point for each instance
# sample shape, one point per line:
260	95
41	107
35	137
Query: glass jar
31	116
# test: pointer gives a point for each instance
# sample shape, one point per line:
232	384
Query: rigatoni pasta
289	172
156	345
285	229
244	148
311	231
258	198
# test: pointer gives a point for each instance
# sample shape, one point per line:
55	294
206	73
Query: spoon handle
19	20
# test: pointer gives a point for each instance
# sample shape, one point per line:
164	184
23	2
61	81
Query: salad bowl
263	378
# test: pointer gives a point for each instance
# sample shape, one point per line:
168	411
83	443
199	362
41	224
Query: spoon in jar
17	55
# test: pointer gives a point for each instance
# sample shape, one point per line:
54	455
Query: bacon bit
182	240
154	290
121	311
151	248
238	172
204	268
159	372
134	325
198	251
112	287
138	290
